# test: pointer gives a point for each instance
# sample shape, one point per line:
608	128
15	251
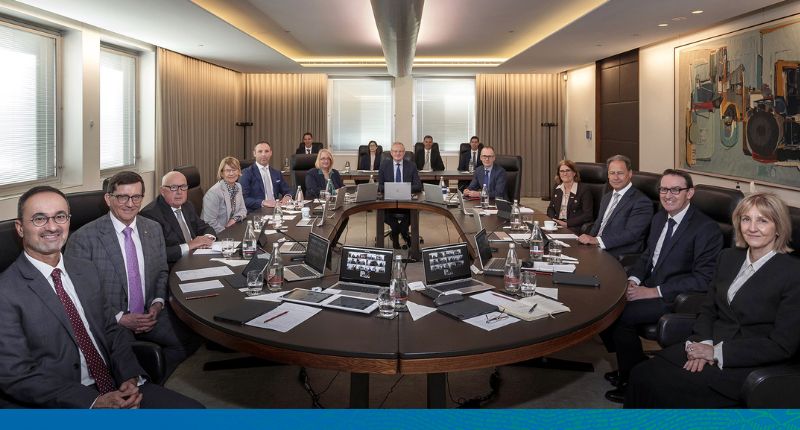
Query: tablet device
353	304
305	297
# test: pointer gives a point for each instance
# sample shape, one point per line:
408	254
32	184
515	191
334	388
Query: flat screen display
366	265
446	263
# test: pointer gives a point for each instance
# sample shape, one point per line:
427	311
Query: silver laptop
461	202
490	265
314	262
293	247
364	271
447	269
366	192
398	191
433	194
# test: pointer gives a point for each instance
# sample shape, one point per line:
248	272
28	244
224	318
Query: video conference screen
366	265
316	252
446	262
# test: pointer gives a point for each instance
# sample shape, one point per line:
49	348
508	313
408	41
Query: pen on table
503	296
276	316
530	311
203	296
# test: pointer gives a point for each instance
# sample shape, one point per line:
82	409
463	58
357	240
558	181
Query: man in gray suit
60	346
130	256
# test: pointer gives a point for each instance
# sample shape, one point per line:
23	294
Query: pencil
203	296
276	316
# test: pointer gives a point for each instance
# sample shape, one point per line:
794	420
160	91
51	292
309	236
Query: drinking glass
386	304
227	247
528	283
255	282
555	252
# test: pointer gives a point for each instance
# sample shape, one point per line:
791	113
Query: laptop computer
433	194
313	263
258	262
338	203
491	265
314	221
366	192
503	209
364	271
447	269
397	191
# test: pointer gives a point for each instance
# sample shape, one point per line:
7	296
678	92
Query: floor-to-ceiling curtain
197	107
284	106
510	111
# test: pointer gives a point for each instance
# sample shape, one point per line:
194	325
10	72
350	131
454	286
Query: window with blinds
117	109
27	105
445	109
359	110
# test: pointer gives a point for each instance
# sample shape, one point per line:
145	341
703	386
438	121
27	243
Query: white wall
580	107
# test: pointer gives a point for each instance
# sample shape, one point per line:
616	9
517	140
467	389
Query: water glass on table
555	252
255	282
386	304
528	283
227	247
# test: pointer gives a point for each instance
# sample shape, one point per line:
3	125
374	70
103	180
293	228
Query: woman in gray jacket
223	204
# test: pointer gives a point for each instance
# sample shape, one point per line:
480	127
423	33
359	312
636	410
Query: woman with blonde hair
570	206
317	178
223	204
750	318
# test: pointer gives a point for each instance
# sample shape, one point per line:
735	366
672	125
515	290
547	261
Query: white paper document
491	321
485	212
549	292
525	211
191	287
210	272
541	266
520	236
416	286
268	297
217	246
284	318
231	262
206	251
564	236
418	311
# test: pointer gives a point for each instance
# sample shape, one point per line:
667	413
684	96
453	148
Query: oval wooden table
433	345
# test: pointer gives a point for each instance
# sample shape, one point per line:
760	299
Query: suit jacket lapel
149	241
41	287
97	327
676	235
623	201
108	237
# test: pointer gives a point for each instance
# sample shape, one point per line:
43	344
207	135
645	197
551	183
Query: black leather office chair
151	358
718	203
245	163
85	207
195	190
648	183
776	386
300	165
419	146
513	167
12	245
409	156
594	176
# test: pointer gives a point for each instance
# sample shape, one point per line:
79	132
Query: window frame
392	125
414	126
110	171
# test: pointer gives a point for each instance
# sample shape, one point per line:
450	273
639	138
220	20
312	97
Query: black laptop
491	265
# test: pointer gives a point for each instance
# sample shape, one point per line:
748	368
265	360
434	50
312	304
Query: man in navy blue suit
488	173
262	185
399	170
625	213
471	156
681	257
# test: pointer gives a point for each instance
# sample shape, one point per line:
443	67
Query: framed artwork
738	104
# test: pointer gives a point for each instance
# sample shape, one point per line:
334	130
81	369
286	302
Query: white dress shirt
621	195
119	226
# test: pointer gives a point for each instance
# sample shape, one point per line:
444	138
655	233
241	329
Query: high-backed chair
300	165
409	156
419	145
245	163
12	244
594	176
195	190
85	207
363	152
648	183
718	203
513	166
794	216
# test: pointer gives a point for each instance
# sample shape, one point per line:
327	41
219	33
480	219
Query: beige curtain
510	110
284	106
197	107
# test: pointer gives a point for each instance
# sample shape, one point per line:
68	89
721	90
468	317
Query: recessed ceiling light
599	45
679	18
663	25
697	12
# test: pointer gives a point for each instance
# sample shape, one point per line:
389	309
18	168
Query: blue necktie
398	176
486	179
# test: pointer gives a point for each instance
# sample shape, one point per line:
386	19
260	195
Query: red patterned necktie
97	367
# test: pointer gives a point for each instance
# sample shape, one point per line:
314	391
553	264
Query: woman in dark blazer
750	319
373	154
317	178
575	209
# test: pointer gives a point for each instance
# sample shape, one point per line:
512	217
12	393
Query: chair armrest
689	303
674	328
628	260
151	358
775	386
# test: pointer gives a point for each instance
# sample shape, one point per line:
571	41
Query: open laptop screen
446	263
316	252
484	250
371	266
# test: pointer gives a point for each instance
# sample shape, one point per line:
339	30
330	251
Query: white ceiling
541	36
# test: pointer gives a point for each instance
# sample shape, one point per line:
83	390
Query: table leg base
359	390
437	386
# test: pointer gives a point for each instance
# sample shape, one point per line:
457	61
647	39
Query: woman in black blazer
364	159
750	318
579	203
317	178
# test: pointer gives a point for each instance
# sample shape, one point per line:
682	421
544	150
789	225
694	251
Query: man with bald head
183	229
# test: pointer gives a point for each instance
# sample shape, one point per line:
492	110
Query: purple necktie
97	367
135	298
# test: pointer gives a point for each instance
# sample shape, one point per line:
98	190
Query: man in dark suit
428	157
308	146
262	185
488	175
470	157
625	213
398	170
60	345
183	229
129	255
372	159
681	257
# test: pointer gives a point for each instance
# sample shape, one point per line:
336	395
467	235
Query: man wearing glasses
183	229
129	254
681	257
488	175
